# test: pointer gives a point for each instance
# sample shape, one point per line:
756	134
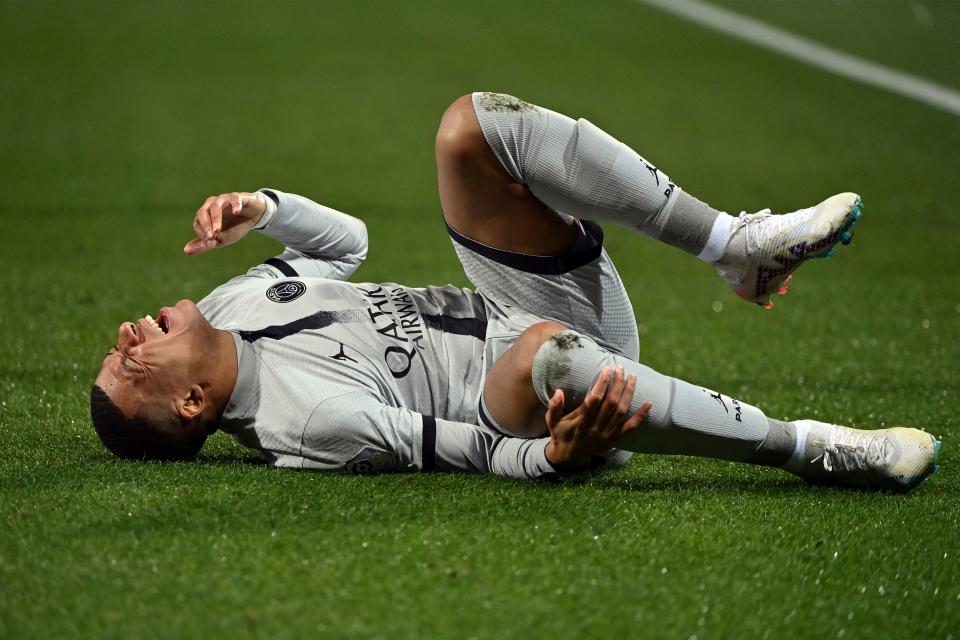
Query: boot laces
763	228
756	232
855	450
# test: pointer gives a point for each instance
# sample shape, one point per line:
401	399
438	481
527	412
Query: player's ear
191	405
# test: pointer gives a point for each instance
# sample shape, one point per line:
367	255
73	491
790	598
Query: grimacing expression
155	361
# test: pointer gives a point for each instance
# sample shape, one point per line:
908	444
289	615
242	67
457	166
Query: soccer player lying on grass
533	373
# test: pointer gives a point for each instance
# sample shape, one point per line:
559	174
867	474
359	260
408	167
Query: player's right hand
596	425
224	219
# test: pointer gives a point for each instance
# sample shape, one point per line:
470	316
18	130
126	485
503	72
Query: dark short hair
139	437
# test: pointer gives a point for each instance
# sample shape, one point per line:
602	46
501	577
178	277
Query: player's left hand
596	425
224	219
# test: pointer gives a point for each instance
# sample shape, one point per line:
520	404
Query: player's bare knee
530	341
542	331
515	367
459	138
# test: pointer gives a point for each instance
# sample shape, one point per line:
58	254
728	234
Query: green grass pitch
118	118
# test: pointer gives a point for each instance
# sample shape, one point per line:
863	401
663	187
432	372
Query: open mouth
163	320
162	323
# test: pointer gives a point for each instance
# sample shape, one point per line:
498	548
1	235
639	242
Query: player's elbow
354	251
364	242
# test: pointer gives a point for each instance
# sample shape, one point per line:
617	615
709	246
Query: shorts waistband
544	265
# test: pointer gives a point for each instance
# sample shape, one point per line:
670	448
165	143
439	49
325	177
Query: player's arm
318	240
357	432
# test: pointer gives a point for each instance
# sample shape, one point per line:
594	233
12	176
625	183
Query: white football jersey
356	376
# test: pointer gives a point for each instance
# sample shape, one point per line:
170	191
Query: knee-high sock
685	419
578	169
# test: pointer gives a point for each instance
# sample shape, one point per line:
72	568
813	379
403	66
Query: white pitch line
812	53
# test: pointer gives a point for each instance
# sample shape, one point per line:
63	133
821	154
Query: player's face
153	363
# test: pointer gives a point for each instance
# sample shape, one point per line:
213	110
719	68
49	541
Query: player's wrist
269	210
565	458
256	204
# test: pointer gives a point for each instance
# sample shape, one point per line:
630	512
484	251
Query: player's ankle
778	448
715	248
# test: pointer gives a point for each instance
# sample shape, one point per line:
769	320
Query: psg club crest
286	291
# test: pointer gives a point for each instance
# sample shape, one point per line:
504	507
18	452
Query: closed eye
123	360
131	366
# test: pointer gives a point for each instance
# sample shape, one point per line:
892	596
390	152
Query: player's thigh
580	289
482	201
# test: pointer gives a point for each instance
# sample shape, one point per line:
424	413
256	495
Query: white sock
796	462
717	241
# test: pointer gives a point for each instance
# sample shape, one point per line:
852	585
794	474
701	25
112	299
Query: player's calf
689	420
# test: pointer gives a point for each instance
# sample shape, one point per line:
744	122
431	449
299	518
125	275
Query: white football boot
765	249
896	459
